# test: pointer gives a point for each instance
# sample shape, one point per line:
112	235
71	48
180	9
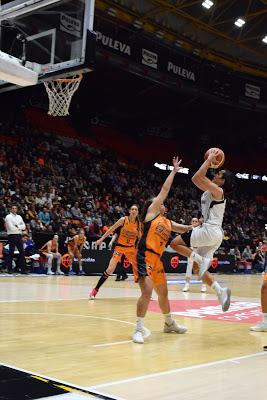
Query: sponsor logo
113	44
239	311
252	91
175	262
183	72
71	25
149	58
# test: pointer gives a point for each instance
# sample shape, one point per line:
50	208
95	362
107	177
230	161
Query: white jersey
212	210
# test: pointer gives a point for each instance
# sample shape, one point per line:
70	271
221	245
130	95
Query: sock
216	287
264	317
168	318
102	280
140	323
80	268
196	257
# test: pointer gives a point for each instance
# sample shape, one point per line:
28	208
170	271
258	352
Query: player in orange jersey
128	233
50	250
75	246
156	233
262	326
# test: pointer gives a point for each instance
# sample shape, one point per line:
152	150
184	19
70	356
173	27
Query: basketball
219	159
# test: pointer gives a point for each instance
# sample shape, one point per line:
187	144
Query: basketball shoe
140	335
224	297
93	294
261	327
203	288
186	287
174	327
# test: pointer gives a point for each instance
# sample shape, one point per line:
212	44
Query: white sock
140	323
264	317
216	287
168	318
196	257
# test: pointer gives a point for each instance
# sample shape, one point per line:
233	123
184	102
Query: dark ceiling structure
210	33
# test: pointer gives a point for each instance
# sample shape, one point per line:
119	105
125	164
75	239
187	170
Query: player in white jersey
188	275
208	237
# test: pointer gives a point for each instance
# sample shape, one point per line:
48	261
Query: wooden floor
48	327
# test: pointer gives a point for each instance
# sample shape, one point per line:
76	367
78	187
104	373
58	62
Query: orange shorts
150	264
76	253
130	254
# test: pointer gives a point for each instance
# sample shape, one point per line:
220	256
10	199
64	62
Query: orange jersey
76	240
128	233
156	234
54	247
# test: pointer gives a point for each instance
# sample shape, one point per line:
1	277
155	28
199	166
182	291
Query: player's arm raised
160	198
202	181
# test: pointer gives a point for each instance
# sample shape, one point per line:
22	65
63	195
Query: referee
15	226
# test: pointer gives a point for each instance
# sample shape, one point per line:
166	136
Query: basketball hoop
60	92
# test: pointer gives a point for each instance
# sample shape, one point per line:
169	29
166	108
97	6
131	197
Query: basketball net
60	92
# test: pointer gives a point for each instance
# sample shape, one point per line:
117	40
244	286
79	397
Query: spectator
14	227
44	217
76	211
247	254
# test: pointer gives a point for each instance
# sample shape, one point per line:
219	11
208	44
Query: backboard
57	34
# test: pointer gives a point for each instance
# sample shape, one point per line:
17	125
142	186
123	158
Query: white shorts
207	238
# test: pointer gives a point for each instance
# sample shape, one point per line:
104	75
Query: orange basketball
65	260
219	158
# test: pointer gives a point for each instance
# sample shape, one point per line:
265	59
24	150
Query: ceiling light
265	39
207	4
240	22
160	34
178	43
112	12
138	24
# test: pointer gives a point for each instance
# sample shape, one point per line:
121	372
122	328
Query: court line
174	371
59	381
70	315
112	344
25	301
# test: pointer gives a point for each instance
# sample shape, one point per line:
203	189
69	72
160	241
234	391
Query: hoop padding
60	92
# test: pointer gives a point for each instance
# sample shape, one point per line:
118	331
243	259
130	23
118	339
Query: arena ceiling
210	33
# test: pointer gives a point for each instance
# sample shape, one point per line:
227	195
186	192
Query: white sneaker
186	287
146	332
204	266
60	273
174	327
261	327
203	289
50	273
138	337
225	298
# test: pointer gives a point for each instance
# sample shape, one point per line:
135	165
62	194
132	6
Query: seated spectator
44	217
259	259
31	253
94	229
31	213
76	211
247	254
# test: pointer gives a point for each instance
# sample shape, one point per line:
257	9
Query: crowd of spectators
60	185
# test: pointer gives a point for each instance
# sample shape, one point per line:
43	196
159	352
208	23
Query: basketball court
50	330
57	344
